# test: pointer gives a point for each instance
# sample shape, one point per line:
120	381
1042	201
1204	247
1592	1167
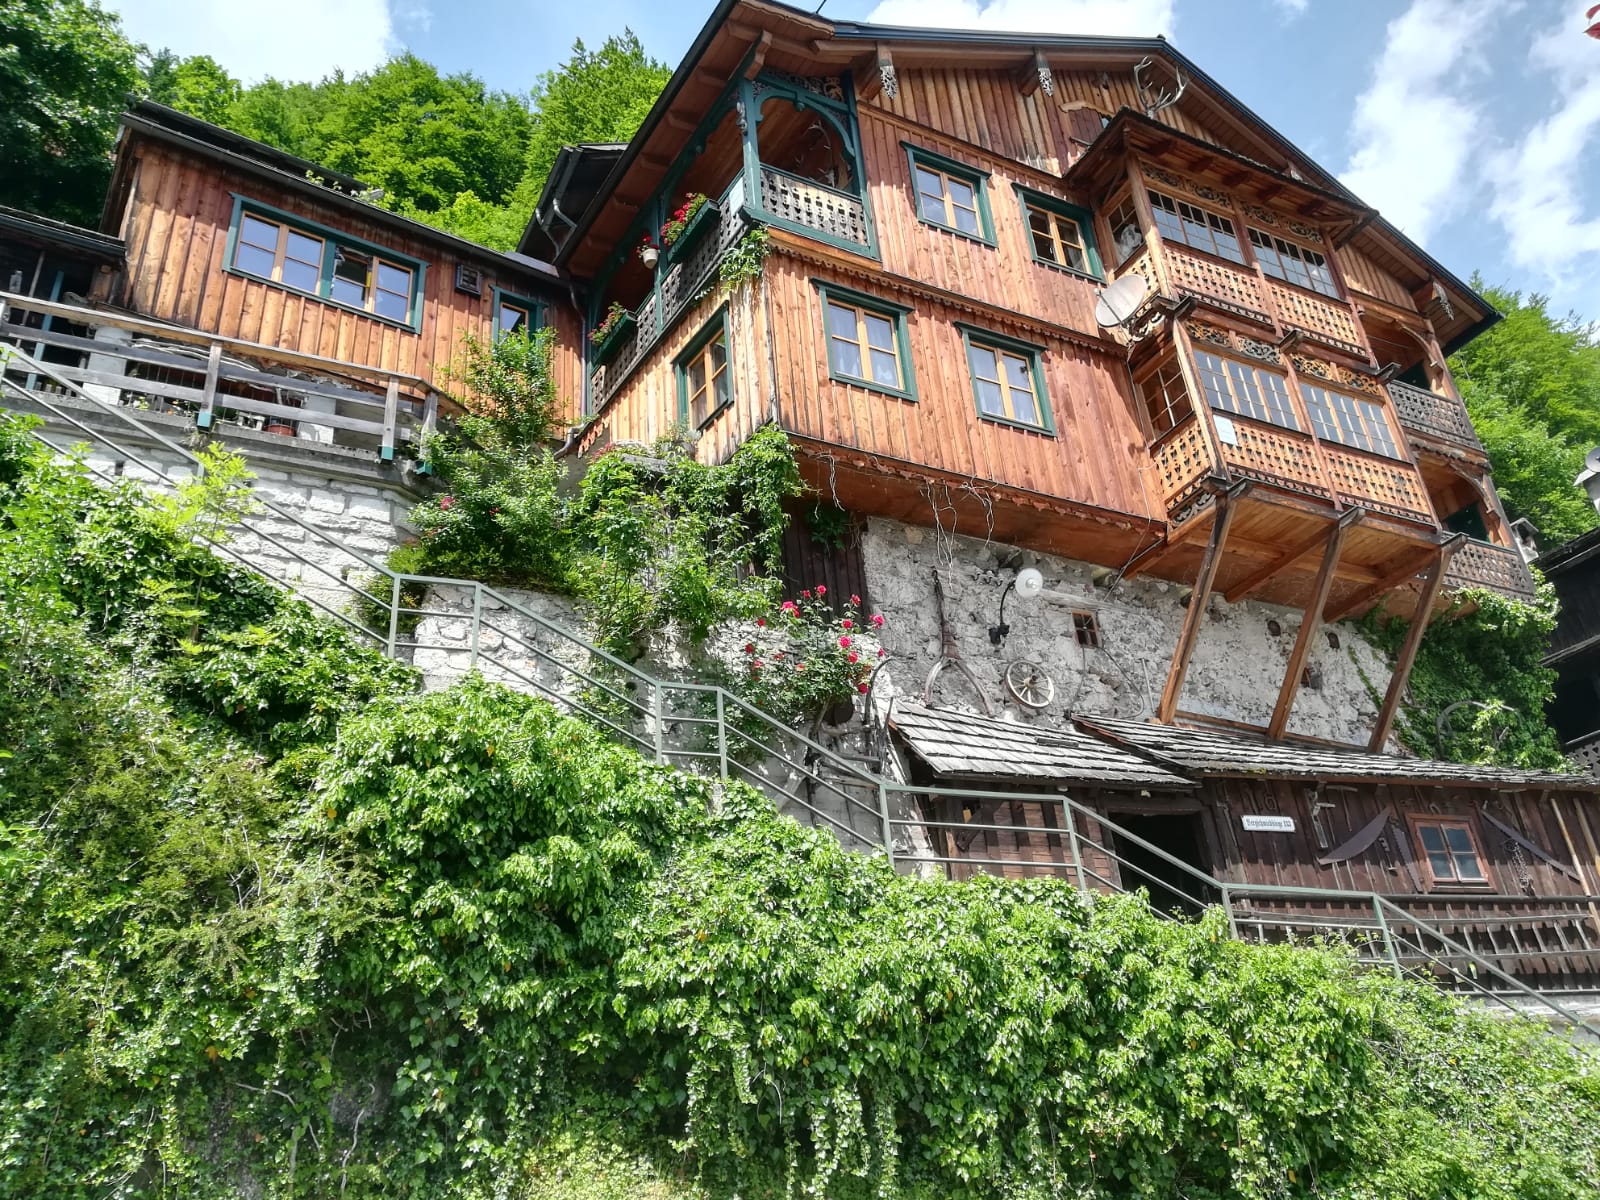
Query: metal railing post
1390	952
1227	907
394	616
1077	850
658	712
722	734
883	815
477	624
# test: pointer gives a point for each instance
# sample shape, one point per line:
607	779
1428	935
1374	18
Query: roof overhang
201	139
71	239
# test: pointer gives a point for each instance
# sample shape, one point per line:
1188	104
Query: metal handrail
1386	913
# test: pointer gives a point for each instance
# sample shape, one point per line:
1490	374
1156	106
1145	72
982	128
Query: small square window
1086	628
1059	234
950	194
1449	852
1007	380
866	344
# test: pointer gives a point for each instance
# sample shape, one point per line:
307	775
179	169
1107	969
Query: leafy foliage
1488	662
1532	385
65	68
457	945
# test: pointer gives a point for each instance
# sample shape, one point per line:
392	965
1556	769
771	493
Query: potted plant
686	224
608	335
649	253
281	428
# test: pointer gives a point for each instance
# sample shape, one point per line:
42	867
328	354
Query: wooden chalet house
943	209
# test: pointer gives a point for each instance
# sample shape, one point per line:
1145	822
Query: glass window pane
930	183
885	368
989	399
966	219
1442	865
253	231
301	275
697	375
932	207
961	193
719	354
394	279
350	273
1023	407
846	357
302	248
842	321
880	331
395	307
1458	839
512	319
1018	374
719	388
253	259
982	363
1228	246
1432	838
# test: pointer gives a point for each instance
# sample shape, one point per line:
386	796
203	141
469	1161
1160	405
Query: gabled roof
794	39
205	140
574	181
1204	752
959	744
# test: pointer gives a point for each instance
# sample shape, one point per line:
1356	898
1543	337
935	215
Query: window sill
710	418
1020	426
959	233
406	326
1065	270
867	385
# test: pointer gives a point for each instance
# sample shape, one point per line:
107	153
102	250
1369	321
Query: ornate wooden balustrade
1183	459
1483	564
1438	416
1373	481
1280	457
1327	321
837	214
1215	281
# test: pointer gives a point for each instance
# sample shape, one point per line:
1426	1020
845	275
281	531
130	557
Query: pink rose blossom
877	620
799	666
446	501
847	624
854	656
821	591
880	651
862	688
806	593
844	643
854	599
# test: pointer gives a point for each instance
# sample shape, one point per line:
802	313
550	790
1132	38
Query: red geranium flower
446	501
862	688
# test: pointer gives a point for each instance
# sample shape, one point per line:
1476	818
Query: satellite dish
1592	460
1120	301
1029	583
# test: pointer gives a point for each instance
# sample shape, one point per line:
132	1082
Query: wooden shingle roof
959	744
1202	752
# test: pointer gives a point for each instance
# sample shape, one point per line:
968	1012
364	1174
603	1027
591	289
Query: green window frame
1057	232
1003	370
700	373
950	195
290	252
859	354
531	311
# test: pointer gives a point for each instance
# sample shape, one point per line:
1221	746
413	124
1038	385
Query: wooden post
1198	600
1310	623
208	400
391	416
430	422
1432	584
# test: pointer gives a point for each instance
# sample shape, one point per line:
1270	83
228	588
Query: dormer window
1180	221
1292	263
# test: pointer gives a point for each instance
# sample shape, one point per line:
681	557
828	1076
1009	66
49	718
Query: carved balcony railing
1272	455
1375	482
1182	458
1215	281
1485	565
827	210
1327	321
1437	416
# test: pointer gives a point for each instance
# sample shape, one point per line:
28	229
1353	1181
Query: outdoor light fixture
1027	583
650	256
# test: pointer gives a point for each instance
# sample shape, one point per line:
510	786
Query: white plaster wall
1234	675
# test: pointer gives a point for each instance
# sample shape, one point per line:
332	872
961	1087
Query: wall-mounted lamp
1028	583
649	256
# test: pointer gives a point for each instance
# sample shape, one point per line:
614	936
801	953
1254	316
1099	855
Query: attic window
1086	628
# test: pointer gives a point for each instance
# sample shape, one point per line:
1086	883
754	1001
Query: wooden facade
173	203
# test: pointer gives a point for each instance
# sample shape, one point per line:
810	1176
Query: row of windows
1250	390
868	346
331	266
954	196
1202	229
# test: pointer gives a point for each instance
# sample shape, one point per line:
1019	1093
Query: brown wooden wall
176	228
1097	456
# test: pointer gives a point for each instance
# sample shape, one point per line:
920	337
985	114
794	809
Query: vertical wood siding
177	233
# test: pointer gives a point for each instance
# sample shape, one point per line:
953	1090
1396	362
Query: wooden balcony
1323	320
838	215
1485	565
1440	417
1215	281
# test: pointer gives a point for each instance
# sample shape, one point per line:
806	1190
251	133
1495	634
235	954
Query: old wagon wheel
1029	684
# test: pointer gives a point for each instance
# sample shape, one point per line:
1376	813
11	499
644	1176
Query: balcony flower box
703	216
611	333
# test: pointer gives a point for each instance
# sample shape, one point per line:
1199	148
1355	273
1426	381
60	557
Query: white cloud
1537	182
1143	18
290	39
1416	125
1293	7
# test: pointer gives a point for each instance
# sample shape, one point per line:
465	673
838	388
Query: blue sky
1472	124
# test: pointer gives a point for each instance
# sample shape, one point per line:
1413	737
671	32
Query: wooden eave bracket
758	54
1035	75
874	73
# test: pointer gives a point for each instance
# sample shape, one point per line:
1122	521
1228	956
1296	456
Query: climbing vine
1479	686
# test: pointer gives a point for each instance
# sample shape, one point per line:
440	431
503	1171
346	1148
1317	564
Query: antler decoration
1155	99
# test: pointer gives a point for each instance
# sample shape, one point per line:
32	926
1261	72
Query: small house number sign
1266	823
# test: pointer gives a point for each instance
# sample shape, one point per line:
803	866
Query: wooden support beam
1310	624
1408	651
758	54
1412	564
1278	566
1198	599
1035	74
874	73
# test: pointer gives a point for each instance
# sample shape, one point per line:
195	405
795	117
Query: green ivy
745	259
1486	655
